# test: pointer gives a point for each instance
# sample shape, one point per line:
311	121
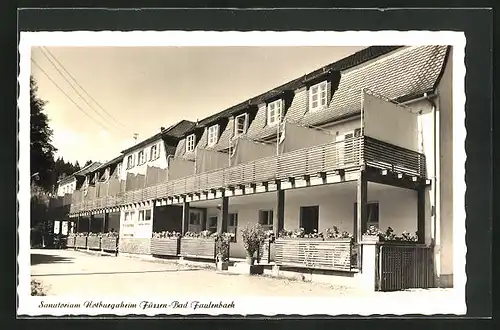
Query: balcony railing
325	158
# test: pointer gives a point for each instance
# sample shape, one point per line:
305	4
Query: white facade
137	161
67	187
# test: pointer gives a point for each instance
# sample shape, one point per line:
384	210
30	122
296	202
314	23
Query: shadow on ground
124	272
38	258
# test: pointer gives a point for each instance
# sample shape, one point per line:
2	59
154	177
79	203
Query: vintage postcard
238	173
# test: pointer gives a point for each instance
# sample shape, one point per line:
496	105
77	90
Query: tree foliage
41	148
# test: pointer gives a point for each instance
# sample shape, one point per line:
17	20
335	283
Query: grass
37	288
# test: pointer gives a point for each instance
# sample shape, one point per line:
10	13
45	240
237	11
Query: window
309	218
144	215
107	174
140	157
266	218
232	220
274	110
212	223
118	169
240	124
317	96
195	218
130	162
372	217
153	152
190	140
213	134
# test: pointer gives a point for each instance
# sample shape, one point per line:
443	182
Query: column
77	225
279	221
361	205
185	217
105	222
222	220
421	215
90	224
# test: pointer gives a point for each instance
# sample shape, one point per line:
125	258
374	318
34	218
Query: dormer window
153	152
118	169
317	97
141	158
190	143
240	124
130	162
213	134
274	111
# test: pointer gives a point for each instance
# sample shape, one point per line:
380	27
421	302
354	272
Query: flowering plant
166	234
407	237
94	235
300	233
82	234
252	238
222	241
202	234
269	235
389	235
335	233
111	234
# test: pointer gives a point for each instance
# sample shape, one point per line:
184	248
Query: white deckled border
449	302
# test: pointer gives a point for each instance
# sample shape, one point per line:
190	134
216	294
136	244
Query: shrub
252	238
37	288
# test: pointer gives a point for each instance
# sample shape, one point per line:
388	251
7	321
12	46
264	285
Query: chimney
162	129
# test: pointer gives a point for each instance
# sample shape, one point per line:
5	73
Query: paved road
67	272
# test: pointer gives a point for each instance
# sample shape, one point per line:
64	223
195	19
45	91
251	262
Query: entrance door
309	218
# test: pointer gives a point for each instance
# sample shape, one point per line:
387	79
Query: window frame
233	217
199	216
190	139
278	112
319	100
212	135
369	212
130	162
236	124
269	218
141	160
153	156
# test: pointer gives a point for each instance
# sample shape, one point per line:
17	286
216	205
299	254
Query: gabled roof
407	73
357	58
176	131
88	169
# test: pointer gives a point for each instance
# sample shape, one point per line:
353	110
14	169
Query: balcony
347	155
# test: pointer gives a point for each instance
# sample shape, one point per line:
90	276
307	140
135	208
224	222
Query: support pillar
421	215
185	217
90	224
361	218
105	223
77	225
279	222
222	220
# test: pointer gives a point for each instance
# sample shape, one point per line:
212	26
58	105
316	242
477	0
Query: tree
41	148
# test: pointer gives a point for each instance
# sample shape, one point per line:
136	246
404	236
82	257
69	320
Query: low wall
135	245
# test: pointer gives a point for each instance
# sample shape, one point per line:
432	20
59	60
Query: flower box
70	241
109	243
370	238
331	254
81	242
94	242
202	248
167	246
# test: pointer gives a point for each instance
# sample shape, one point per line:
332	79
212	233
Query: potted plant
252	238
222	250
373	234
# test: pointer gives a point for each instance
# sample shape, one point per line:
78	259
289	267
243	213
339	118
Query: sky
140	89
